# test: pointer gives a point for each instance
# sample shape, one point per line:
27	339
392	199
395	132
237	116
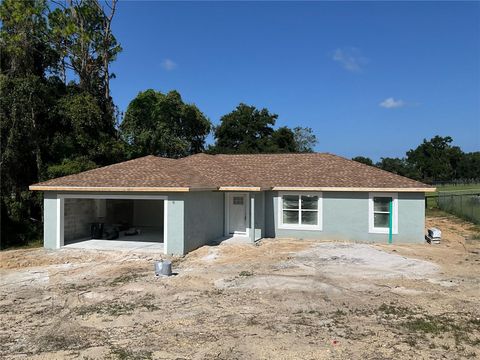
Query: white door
237	213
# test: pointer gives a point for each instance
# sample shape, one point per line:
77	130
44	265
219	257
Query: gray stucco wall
345	217
204	218
175	225
50	220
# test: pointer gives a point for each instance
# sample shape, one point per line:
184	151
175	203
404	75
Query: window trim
371	224
317	227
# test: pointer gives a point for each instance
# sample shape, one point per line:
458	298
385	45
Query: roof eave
241	188
357	189
110	189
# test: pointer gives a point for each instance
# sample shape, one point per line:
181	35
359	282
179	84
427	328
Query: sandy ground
283	299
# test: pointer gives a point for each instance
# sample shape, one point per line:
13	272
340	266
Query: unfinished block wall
78	216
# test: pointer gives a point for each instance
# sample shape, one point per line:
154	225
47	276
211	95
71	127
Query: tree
81	33
363	160
162	124
435	159
49	126
82	36
24	38
305	139
282	141
244	130
25	59
469	166
394	165
250	130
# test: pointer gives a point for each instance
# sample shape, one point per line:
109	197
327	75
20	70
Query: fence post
461	204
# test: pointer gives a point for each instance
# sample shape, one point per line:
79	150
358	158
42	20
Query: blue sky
371	78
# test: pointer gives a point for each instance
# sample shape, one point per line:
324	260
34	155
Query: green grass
458	187
431	198
29	245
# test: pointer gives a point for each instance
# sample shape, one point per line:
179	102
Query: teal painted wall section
412	222
204	218
175	225
345	217
259	214
50	220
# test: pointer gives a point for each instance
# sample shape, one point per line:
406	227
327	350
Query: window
238	200
383	208
300	211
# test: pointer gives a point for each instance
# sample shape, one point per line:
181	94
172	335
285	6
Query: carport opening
113	220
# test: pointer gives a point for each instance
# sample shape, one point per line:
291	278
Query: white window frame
299	226
371	223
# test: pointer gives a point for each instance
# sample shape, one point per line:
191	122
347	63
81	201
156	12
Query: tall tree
162	124
244	130
282	141
469	166
46	123
81	33
435	159
250	130
25	59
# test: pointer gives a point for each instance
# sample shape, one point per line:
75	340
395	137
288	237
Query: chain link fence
465	205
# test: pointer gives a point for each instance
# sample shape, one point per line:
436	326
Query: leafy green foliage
69	167
48	127
245	130
162	124
435	159
250	130
363	160
305	139
469	166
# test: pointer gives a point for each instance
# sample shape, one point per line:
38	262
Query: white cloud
391	103
168	65
350	58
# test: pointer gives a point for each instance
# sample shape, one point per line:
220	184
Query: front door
237	214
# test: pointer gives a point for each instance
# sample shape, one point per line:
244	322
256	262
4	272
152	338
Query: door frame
228	196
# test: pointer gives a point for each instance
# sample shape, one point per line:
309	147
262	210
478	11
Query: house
185	203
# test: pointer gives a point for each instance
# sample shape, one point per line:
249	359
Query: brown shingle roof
202	171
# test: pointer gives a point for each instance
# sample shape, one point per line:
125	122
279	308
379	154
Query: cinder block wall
79	213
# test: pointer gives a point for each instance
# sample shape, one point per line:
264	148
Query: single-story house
188	202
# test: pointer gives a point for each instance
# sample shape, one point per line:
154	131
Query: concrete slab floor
119	245
234	240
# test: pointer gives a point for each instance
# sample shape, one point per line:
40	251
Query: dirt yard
283	299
